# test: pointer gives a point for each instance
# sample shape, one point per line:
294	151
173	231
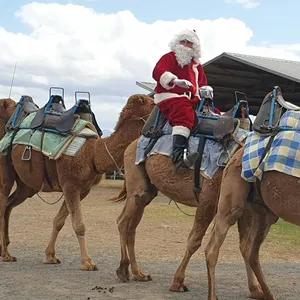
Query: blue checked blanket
213	157
284	155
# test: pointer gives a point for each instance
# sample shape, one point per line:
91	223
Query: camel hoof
52	260
89	266
142	277
123	275
257	294
177	287
9	258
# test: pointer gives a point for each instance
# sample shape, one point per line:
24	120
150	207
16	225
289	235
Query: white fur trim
195	69
181	130
163	96
166	78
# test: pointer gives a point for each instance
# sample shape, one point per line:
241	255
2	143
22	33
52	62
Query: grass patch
112	184
285	233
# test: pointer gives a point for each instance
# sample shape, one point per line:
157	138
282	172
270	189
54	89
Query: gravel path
159	255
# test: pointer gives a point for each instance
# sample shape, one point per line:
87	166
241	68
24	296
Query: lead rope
180	208
110	155
112	158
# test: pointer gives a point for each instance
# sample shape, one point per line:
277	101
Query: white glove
183	83
206	92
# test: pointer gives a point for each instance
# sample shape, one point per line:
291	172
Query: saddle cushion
213	155
218	127
60	121
284	154
53	145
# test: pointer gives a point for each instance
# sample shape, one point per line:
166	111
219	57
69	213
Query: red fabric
217	111
168	63
179	111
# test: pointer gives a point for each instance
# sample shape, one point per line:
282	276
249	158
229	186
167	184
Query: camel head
7	108
138	107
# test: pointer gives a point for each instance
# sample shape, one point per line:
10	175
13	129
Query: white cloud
74	47
245	3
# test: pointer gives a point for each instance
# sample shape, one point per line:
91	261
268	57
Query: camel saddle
215	126
25	106
55	118
270	112
212	126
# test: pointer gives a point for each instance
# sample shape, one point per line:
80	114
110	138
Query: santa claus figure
179	75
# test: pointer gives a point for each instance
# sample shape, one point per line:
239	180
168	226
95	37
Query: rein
134	118
112	158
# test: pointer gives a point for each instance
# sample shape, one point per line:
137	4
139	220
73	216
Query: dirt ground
160	245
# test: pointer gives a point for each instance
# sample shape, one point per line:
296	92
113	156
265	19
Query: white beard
184	55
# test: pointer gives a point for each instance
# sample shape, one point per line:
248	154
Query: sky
104	47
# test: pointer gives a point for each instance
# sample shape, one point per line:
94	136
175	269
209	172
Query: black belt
189	94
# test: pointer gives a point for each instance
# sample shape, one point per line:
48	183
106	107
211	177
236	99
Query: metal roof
253	75
289	69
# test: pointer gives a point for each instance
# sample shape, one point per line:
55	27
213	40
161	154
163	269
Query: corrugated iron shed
253	75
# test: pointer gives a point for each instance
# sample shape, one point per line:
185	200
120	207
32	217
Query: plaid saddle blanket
284	155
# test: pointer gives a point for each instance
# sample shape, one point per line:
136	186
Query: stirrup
27	153
187	161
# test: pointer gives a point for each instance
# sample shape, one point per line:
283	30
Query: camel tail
121	197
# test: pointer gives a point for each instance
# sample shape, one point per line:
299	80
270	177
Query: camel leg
230	208
58	224
21	193
7	178
140	193
204	215
263	218
72	199
6	220
127	224
123	271
244	226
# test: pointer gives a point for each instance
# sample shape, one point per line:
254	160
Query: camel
280	201
277	192
74	176
143	181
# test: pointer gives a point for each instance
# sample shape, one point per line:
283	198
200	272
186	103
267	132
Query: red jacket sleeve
202	79
162	70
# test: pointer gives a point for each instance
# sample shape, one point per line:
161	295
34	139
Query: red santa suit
172	100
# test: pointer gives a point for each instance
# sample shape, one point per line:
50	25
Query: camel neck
109	152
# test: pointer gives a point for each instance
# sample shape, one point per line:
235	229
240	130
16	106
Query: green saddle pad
54	144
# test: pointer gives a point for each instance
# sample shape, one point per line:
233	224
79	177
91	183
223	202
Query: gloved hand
183	83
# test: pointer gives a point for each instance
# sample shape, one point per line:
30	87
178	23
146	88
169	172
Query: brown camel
280	200
143	181
74	176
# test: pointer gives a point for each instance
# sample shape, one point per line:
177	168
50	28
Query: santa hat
189	35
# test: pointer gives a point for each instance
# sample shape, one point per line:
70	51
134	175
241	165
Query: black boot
179	144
